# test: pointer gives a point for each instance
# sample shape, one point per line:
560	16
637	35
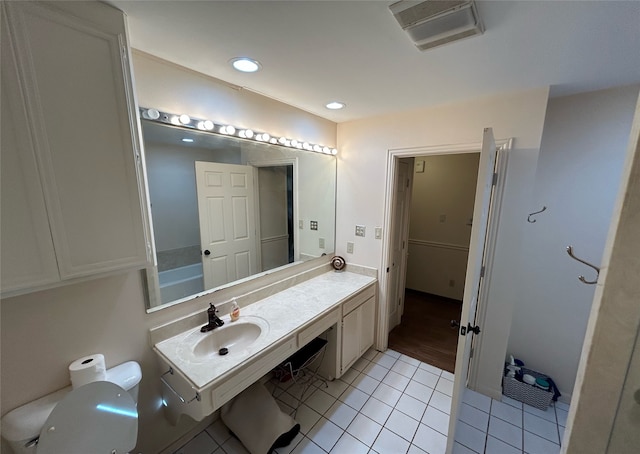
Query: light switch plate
349	247
378	233
321	243
301	224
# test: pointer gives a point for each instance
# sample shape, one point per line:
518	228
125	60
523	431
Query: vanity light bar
185	121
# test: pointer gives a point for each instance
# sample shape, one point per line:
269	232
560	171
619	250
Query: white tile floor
389	403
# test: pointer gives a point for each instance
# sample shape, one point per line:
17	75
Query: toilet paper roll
87	370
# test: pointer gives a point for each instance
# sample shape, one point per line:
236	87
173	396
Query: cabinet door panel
350	340
367	321
28	257
78	100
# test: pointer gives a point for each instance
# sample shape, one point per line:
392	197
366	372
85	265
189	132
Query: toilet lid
99	417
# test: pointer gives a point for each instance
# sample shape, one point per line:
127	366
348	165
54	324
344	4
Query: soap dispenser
235	310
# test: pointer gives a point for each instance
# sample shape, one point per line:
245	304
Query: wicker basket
528	394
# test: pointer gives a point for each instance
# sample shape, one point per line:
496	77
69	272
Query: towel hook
535	212
582	279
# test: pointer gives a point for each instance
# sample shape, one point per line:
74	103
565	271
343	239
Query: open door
226	209
468	329
399	239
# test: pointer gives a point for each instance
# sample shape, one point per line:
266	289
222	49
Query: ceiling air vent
432	23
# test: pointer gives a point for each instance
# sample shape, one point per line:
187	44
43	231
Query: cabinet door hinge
482	271
495	179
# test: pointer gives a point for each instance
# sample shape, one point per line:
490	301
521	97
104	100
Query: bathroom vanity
197	380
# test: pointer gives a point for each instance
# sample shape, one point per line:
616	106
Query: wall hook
581	278
535	212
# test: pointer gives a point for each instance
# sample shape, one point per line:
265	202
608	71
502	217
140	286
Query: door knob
454	324
207	252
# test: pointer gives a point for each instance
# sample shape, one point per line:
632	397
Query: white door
484	188
398	242
227	222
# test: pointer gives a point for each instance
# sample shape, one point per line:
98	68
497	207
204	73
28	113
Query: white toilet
100	417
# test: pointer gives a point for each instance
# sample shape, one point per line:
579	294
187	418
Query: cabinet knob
207	252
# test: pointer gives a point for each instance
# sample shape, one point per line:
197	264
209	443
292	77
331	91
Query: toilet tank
21	427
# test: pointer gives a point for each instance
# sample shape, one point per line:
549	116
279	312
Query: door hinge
482	271
495	179
469	329
408	182
471	353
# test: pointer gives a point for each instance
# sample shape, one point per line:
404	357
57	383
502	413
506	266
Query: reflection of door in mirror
292	188
275	194
226	210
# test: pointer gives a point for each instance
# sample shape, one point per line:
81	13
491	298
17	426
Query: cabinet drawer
246	377
357	300
306	335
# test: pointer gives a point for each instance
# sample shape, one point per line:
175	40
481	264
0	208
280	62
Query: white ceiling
313	52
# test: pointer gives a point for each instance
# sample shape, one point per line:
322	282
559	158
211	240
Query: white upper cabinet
72	203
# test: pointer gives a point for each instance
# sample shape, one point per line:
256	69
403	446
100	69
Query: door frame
292	161
393	156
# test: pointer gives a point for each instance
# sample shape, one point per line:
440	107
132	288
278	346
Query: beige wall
440	227
172	88
362	171
577	177
604	417
41	333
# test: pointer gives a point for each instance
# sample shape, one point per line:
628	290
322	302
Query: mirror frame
150	274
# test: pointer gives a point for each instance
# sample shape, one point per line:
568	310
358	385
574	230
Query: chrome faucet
214	320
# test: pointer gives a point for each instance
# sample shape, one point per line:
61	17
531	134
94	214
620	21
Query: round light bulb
175	120
231	130
273	140
317	148
334	151
185	119
294	143
248	133
208	125
151	114
326	150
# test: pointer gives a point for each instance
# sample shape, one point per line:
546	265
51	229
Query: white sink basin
234	336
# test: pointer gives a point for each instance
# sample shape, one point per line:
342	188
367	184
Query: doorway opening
275	208
437	218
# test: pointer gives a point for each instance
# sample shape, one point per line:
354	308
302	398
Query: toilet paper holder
174	391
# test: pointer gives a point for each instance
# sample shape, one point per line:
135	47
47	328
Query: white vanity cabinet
358	320
197	384
72	198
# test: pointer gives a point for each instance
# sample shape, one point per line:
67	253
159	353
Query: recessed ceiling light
335	105
246	65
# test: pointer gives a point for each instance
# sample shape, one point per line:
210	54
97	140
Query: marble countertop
282	314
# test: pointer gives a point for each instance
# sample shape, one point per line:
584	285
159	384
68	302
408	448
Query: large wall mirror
225	209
